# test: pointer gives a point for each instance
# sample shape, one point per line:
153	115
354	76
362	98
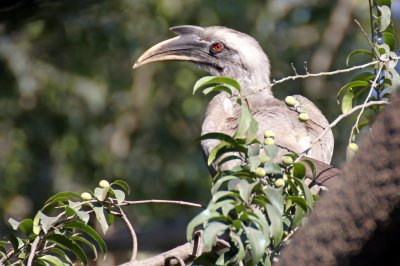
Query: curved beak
187	47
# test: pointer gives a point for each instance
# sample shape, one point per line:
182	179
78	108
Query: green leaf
239	245
258	244
101	218
245	189
275	198
353	84
62	196
299	170
347	102
276	224
218	136
384	2
210	234
311	166
299	201
47	221
385	17
66	243
53	260
26	226
389	39
244	121
260	219
358	52
84	216
78	238
272	168
271	150
216	152
254	162
212	81
252	130
222	194
61	254
16	242
119	195
306	192
199	219
220	182
218	88
36	226
88	230
121	184
101	193
298	216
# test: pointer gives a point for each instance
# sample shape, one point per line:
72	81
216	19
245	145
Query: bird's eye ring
217	47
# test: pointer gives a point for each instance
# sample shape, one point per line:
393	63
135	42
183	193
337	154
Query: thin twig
340	118
374	83
328	73
176	202
368	40
132	231
33	249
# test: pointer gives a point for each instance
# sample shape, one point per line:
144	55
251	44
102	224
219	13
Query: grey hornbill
226	52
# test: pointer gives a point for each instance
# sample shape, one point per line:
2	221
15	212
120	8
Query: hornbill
225	52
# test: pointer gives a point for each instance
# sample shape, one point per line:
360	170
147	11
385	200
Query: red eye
217	47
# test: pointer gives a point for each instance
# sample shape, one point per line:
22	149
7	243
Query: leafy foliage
377	82
60	231
257	204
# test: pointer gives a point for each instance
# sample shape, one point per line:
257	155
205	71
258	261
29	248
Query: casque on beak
185	47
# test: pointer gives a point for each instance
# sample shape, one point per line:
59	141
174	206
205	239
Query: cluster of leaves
60	231
257	204
377	82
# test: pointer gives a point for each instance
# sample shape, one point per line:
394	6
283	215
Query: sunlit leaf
47	221
275	198
119	195
244	121
210	234
52	259
389	39
202	217
276	224
101	218
385	17
257	242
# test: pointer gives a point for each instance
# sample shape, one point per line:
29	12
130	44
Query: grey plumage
242	58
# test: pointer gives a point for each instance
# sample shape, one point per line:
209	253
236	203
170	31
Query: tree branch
340	118
185	253
133	234
176	202
374	83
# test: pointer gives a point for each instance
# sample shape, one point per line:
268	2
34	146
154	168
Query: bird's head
218	50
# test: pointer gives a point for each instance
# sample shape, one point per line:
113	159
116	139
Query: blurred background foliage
72	110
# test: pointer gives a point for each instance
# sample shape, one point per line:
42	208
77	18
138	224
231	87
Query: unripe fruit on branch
269	134
260	172
279	182
287	160
353	147
303	117
104	184
86	196
269	141
290	101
